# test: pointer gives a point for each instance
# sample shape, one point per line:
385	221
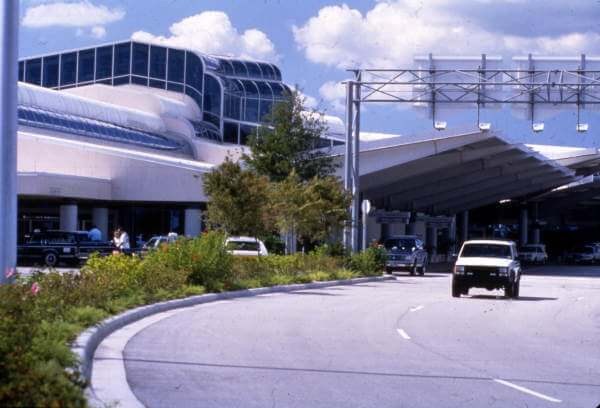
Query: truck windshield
403	244
242	246
486	251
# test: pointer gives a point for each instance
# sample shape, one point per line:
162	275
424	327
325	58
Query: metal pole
355	212
9	15
348	156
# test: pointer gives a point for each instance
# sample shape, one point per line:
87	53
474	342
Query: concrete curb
87	342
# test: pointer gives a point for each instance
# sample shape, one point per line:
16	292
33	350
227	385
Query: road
398	343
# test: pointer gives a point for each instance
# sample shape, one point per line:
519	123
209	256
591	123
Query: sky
314	42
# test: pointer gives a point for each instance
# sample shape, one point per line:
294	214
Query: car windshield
152	242
486	251
242	246
403	244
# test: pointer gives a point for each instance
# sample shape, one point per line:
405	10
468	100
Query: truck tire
413	269
423	268
509	290
456	289
516	289
50	259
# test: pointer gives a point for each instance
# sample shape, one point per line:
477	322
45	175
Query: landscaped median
42	315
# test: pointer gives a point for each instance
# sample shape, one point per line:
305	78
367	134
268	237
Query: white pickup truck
487	264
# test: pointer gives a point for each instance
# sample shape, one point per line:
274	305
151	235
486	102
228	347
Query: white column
68	217
100	220
193	222
465	226
523	226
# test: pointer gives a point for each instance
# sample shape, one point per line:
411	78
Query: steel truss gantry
481	87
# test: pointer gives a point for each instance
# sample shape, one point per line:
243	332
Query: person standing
124	245
95	234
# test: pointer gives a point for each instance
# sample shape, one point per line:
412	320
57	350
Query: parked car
156	241
53	247
596	246
581	254
488	264
405	252
246	246
533	253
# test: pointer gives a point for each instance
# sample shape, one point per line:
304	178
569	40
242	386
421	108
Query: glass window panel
212	96
265	110
105	81
239	68
232	106
50	71
194	95
230	132
140	59
155	83
251	110
250	88
85	68
158	62
254	70
174	87
121	80
139	80
122	59
226	67
33	71
68	68
245	133
176	65
210	118
277	72
268	71
21	71
104	60
264	90
193	71
278	90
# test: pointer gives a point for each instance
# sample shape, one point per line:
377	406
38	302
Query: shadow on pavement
580	271
519	299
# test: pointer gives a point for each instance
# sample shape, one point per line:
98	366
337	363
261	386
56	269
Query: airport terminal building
121	134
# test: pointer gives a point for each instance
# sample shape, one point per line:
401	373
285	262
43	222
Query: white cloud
393	31
98	32
211	32
78	14
334	93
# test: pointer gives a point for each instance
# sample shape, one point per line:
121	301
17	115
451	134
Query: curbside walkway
86	344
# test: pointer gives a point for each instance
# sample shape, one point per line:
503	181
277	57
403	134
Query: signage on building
392	217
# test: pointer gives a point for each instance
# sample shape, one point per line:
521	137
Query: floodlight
485	126
440	125
505	201
538	127
582	127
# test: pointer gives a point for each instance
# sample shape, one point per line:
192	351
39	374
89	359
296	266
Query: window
50	71
230	132
121	80
140	59
155	83
277	72
225	67
104	60
195	95
68	68
193	71
253	70
486	251
21	71
122	59
176	65
85	68
266	101
139	80
268	72
250	113
33	71
212	96
232	102
158	62
239	68
174	87
401	244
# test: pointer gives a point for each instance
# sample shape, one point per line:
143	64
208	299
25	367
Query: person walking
124	245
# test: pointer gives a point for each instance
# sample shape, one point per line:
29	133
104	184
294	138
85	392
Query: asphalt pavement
398	343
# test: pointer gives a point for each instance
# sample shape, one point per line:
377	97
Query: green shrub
210	262
368	263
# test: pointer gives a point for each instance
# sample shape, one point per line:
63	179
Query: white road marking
403	334
527	390
416	309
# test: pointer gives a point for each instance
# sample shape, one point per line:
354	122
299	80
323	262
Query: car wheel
414	269
516	289
456	289
423	268
50	259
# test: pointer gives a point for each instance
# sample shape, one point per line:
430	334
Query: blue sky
315	41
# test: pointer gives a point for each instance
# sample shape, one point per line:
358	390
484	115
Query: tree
313	209
237	200
289	143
